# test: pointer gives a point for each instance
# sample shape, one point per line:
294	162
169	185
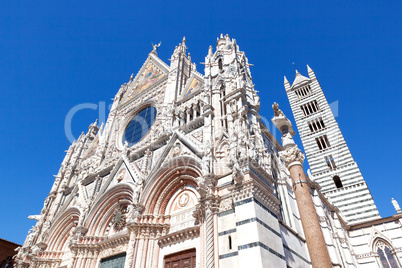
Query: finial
210	51
294	66
227	37
184	40
396	206
221	35
131	77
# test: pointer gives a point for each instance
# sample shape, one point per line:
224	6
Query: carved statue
155	47
252	148
277	111
233	106
46	230
137	192
35	217
176	149
125	148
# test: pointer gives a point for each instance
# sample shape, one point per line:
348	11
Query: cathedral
185	174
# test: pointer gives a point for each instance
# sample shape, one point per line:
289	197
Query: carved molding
292	156
179	236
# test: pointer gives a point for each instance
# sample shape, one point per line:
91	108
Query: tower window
337	181
310	108
303	91
322	142
316	125
230	242
330	162
220	64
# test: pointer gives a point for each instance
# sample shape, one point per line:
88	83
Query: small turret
286	83
310	72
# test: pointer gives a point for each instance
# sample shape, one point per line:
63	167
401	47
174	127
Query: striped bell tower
328	155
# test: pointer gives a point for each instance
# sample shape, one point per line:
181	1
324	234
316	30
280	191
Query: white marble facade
204	179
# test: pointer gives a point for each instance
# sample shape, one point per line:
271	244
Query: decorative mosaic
193	85
150	76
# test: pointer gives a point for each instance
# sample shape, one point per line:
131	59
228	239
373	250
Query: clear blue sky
57	54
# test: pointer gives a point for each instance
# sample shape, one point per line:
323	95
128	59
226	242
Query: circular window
139	126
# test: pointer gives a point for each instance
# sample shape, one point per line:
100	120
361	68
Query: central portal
183	259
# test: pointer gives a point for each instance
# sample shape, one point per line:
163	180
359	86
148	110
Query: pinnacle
309	69
285	80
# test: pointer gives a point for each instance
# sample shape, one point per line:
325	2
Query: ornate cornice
179	236
258	191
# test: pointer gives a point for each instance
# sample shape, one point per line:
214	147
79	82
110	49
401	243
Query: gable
151	73
193	85
123	172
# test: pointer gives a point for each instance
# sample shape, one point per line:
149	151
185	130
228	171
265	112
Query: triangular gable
71	199
177	136
152	71
122	172
375	234
194	84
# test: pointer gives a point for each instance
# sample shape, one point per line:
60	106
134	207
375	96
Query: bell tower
331	162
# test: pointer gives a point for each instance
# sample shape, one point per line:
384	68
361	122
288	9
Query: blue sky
55	55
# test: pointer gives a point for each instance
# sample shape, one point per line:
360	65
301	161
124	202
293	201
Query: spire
310	71
285	81
210	53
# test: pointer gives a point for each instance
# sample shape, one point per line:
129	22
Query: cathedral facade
185	174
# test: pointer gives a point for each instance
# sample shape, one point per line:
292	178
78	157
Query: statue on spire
155	48
277	111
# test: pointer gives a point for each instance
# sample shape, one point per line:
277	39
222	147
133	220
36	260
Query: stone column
205	214
211	208
293	158
130	249
312	229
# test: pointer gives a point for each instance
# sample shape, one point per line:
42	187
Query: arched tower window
337	181
387	258
220	64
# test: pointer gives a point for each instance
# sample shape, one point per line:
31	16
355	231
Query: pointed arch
60	230
222	155
102	211
220	82
161	187
386	256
